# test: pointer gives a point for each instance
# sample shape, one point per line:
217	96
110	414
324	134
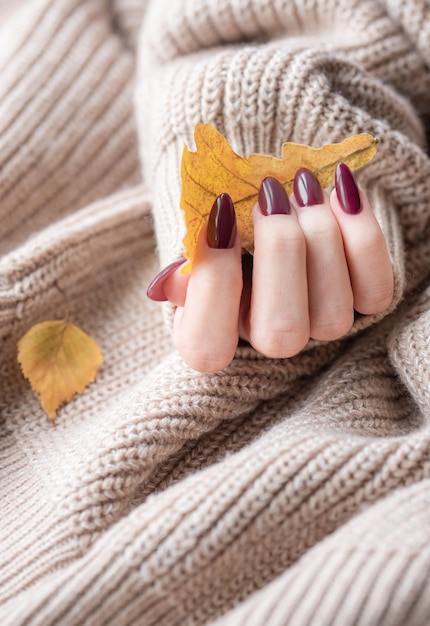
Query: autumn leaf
215	168
59	360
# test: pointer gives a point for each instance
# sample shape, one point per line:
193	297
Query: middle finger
277	324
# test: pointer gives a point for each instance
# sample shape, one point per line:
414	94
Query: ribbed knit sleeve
265	73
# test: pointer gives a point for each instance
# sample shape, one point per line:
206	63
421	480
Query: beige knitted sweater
297	491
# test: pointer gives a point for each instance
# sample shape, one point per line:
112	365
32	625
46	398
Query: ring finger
331	313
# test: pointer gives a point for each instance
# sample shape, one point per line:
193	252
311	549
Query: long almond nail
222	227
272	198
155	289
307	190
347	190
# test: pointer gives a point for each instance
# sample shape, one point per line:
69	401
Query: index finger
206	328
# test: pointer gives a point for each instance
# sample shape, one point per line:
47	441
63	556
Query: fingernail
272	198
347	190
307	190
222	227
155	290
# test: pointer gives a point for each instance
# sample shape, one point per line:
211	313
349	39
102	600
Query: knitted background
296	489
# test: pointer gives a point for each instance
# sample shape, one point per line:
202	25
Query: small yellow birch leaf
215	168
59	360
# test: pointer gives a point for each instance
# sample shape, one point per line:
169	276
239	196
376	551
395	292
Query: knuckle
218	281
376	299
325	231
280	237
333	326
284	339
372	244
203	361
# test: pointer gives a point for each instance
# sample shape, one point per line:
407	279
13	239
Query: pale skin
311	269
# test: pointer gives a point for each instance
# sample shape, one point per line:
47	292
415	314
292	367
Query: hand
316	259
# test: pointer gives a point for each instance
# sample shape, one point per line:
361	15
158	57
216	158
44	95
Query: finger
175	287
206	328
277	324
169	284
331	312
366	251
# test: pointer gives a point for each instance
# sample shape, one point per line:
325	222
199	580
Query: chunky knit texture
277	492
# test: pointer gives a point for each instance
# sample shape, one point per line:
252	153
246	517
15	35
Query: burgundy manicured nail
347	190
307	189
155	290
222	227
272	198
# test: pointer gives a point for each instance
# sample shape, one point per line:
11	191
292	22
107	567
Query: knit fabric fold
286	491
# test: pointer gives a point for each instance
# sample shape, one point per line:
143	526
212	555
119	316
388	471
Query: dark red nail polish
222	227
307	190
347	190
155	289
272	198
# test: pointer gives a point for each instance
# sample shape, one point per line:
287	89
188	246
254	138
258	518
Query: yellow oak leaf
59	360
215	168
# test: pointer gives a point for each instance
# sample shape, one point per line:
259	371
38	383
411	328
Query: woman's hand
316	259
